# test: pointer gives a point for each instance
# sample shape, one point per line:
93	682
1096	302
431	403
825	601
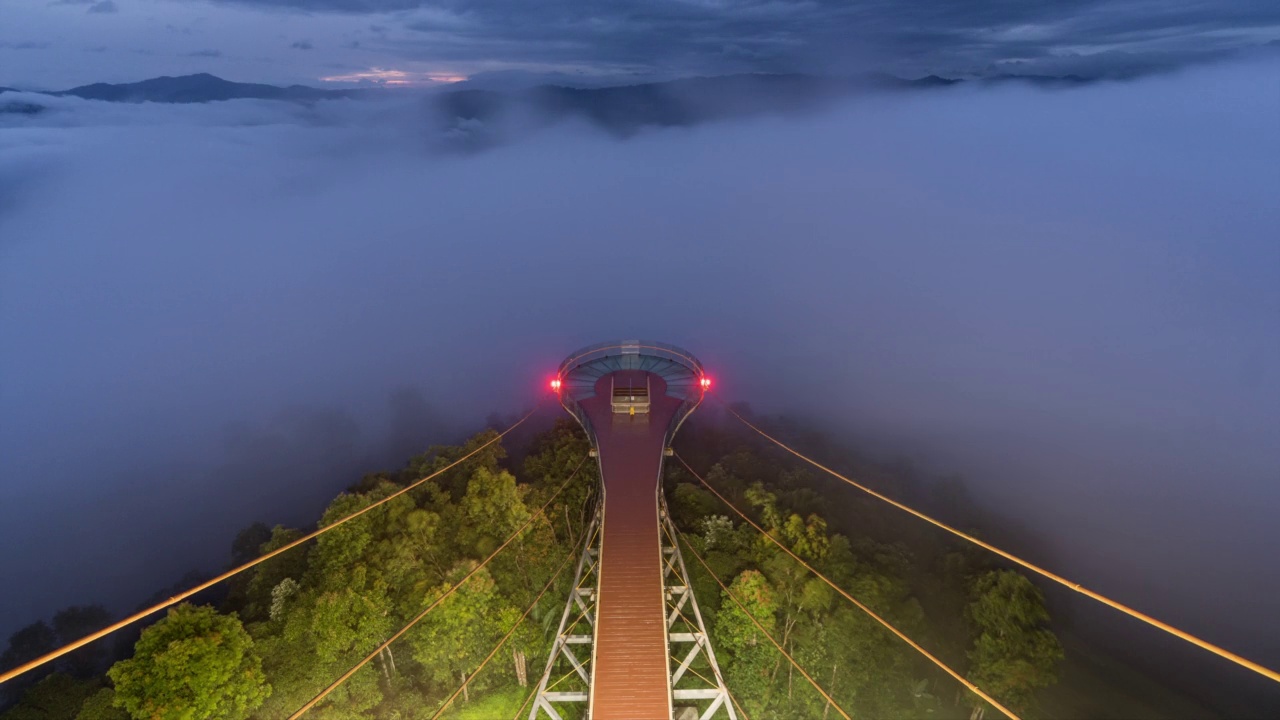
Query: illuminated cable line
1181	634
43	659
973	688
764	632
505	638
369	658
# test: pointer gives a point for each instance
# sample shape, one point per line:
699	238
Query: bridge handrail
647	347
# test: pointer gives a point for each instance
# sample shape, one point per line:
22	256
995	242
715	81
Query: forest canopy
277	635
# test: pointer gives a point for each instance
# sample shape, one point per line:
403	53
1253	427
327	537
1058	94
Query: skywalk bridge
631	643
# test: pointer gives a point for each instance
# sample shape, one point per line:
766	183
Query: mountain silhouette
199	88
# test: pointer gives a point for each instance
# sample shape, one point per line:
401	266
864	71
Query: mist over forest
1069	297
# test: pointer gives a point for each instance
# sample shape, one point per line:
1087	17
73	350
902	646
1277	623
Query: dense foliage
283	631
196	663
287	628
988	623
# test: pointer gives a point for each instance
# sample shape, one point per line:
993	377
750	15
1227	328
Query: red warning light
706	383
555	385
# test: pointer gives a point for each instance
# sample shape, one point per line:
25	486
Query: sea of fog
216	314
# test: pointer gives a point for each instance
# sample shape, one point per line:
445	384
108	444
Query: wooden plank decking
630	671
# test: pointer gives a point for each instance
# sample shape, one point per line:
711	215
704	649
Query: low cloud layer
218	314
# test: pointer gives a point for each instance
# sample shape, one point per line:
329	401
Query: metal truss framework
697	683
571	652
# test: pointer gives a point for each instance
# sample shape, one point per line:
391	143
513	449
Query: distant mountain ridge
199	88
476	117
204	87
622	108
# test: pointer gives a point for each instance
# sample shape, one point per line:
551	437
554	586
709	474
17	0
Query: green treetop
193	664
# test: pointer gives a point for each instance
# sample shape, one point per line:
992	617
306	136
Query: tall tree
248	543
28	643
25	645
101	706
456	636
195	663
400	545
71	624
492	509
1014	653
455	480
323	631
554	457
265	577
56	697
751	656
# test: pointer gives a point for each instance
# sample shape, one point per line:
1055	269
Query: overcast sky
54	44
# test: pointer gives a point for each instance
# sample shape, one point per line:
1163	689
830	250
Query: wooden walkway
630	671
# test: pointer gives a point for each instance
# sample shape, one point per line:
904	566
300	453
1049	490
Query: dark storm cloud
302	45
104	7
723	35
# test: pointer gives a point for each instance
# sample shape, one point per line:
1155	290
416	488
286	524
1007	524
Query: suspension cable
945	668
43	659
505	638
369	658
1181	634
764	632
